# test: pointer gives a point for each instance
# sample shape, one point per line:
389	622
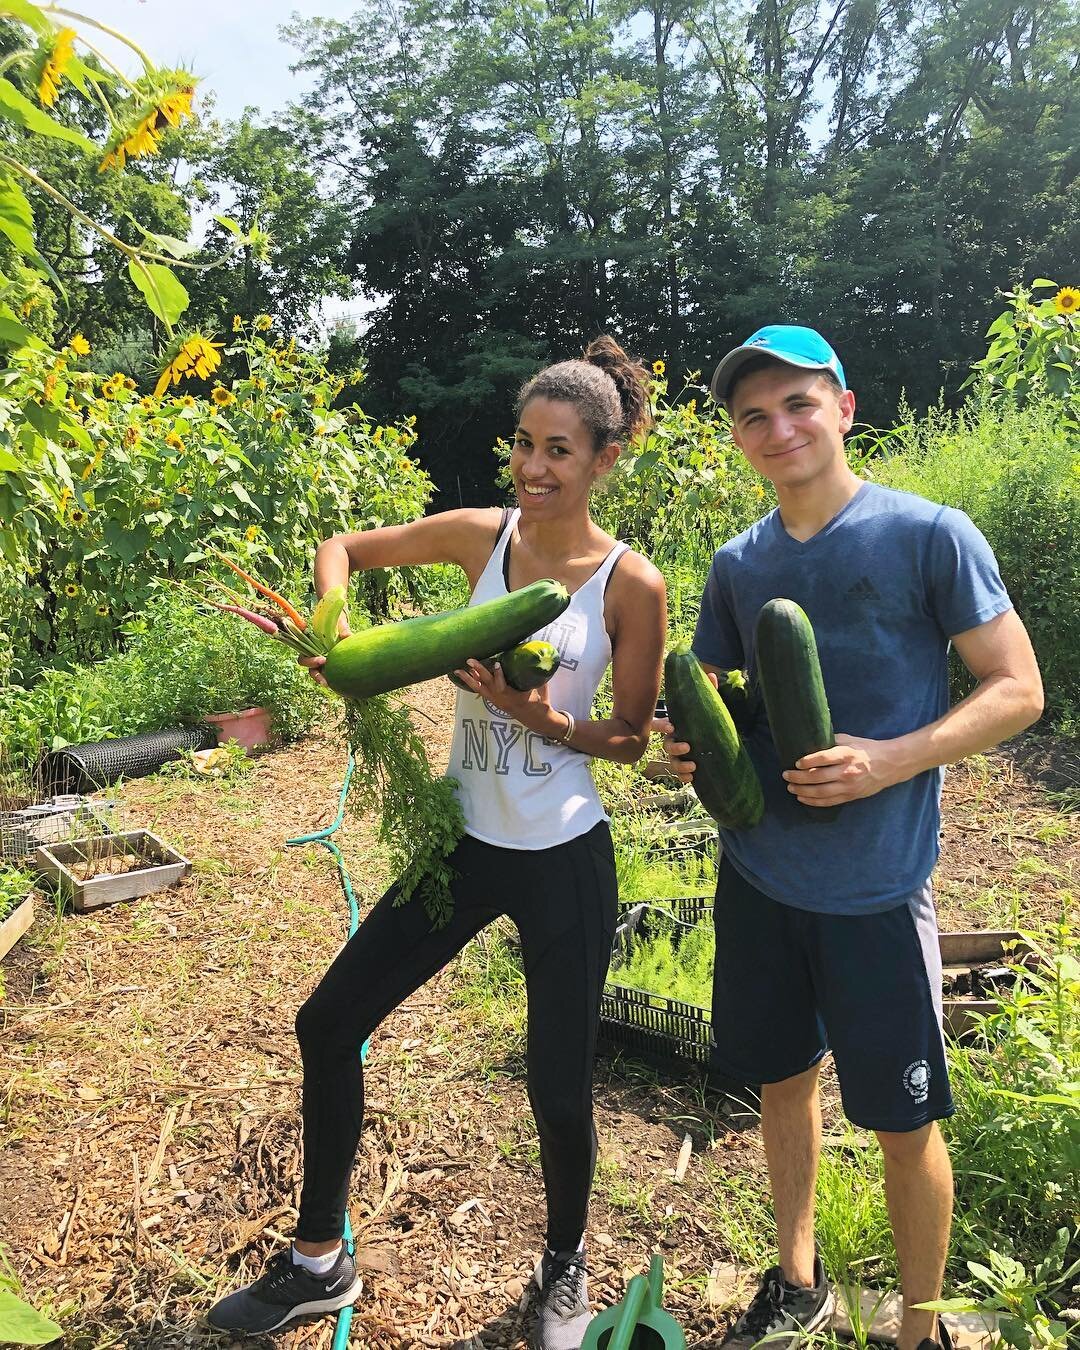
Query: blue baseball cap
802	347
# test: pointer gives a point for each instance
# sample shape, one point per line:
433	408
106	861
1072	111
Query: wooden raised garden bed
100	871
16	924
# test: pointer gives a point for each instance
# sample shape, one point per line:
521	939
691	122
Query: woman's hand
529	707
314	664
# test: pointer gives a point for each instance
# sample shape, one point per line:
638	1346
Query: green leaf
22	1325
43	420
28	14
16	218
8	462
165	296
165	243
1042	281
13	332
17	108
229	224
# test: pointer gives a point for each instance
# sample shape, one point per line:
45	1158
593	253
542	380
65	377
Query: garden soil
150	1158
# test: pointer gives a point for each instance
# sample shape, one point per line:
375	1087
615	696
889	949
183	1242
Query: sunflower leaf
17	108
28	14
163	293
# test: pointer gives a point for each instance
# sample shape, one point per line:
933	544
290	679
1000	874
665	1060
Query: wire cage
53	821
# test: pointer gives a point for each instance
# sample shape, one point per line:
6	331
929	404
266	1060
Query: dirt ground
149	1080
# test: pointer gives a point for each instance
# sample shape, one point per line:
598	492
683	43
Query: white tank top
516	788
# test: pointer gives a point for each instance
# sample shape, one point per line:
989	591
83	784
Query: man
826	934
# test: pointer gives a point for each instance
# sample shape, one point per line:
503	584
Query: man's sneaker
943	1342
563	1302
782	1313
287	1293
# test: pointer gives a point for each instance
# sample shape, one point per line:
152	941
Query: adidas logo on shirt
864	589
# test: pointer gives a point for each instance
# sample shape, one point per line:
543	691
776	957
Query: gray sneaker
783	1314
562	1306
286	1294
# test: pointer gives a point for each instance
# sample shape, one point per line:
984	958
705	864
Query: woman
537	845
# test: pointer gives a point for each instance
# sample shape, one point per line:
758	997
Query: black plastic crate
665	1033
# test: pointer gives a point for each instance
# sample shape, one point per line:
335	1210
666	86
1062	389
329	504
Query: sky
233	45
234	48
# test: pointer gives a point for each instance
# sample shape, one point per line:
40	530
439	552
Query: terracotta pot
249	728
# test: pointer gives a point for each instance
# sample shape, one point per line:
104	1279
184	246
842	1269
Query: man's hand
855	767
314	664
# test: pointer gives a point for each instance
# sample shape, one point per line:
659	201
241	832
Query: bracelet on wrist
571	723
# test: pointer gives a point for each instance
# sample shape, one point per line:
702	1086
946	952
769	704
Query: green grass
673	962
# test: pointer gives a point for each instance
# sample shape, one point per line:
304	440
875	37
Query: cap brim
730	366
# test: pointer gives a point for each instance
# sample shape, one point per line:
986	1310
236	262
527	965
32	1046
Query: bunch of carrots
309	637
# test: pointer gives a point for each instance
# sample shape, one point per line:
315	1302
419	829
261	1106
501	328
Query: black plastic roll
98	764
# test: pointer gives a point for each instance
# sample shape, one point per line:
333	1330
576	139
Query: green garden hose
344	1317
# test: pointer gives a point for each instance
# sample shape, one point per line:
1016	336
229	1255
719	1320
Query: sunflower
132	436
237	324
173	441
222	397
77	517
658	367
195	355
263	322
56	62
251	533
1067	300
79	345
71	590
146	403
102	611
186	401
129	383
141	134
277	415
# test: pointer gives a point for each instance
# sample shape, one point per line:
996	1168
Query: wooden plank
731	1286
16	924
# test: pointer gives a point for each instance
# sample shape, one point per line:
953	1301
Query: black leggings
563	901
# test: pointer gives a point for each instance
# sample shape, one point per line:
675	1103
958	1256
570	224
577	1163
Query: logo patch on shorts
917	1080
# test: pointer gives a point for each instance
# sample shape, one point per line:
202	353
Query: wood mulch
149	1151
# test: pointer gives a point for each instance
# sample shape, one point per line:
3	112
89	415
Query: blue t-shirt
886	584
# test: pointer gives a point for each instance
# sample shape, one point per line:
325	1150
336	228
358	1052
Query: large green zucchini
396	654
789	673
724	780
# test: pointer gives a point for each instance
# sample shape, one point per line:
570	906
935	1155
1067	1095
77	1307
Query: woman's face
553	462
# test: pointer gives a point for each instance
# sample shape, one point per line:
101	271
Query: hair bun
631	379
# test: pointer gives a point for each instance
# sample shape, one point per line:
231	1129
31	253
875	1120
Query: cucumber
526	666
393	655
789	673
724	780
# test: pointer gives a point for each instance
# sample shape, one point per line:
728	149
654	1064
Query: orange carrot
282	604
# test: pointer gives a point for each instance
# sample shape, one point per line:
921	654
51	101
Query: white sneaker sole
322	1308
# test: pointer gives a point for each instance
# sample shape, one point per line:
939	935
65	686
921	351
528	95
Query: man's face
790	424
